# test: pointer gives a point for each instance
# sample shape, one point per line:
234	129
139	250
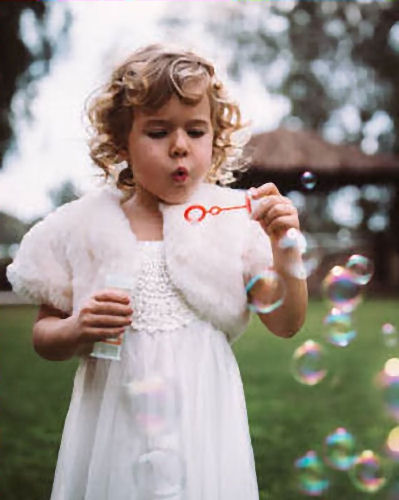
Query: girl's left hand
275	213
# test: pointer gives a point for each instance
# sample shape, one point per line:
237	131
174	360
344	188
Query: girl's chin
173	200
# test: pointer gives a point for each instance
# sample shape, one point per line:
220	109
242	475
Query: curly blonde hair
146	80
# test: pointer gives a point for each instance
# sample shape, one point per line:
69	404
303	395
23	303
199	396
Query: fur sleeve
258	253
40	272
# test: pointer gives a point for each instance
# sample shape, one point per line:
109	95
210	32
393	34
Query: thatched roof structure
282	155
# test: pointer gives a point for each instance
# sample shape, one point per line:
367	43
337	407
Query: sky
53	148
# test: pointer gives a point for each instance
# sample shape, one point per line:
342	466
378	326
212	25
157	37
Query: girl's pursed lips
180	174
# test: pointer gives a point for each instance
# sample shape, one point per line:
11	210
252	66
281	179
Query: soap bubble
368	473
392	444
339	328
388	381
311	475
361	267
265	292
308	363
339	449
159	473
308	180
307	247
389	334
341	289
153	403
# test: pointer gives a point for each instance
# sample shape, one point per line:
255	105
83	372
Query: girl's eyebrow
159	122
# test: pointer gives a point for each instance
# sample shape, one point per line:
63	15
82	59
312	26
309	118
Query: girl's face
170	150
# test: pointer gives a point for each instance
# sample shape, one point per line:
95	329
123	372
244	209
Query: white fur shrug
63	259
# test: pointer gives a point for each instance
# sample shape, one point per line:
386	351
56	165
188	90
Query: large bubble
392	444
339	327
361	267
341	289
305	246
309	363
308	180
159	473
154	404
339	449
368	473
311	475
265	292
388	381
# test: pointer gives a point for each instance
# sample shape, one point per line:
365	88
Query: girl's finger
111	295
264	204
279	206
97	334
279	210
281	224
95	320
111	309
266	189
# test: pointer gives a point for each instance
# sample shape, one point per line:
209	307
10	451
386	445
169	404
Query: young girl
169	419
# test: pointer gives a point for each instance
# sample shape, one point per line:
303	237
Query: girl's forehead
175	108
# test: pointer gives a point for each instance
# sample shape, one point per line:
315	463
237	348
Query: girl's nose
178	145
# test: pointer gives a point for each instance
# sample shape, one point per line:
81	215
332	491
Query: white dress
169	420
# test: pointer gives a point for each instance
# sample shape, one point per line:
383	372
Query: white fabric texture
64	258
175	402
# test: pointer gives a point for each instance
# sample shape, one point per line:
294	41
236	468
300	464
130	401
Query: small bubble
368	473
339	449
159	473
311	475
309	363
153	403
392	444
389	334
361	267
308	249
265	292
308	180
341	288
388	382
339	328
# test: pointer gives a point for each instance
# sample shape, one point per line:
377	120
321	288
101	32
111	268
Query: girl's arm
276	214
57	337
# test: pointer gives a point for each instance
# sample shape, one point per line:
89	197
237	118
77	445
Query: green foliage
21	63
323	56
286	419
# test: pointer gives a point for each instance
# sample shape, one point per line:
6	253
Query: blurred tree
336	62
26	47
64	194
336	65
11	229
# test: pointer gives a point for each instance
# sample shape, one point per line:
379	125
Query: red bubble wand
196	213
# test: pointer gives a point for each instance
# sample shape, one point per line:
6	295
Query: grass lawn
286	418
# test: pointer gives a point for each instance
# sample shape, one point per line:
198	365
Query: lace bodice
157	304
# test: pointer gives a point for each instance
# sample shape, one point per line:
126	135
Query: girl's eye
157	134
196	133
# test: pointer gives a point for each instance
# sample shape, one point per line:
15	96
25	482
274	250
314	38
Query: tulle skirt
168	421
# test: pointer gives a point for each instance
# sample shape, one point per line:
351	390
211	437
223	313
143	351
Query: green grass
286	418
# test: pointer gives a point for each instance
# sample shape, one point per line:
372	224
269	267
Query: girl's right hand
105	314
